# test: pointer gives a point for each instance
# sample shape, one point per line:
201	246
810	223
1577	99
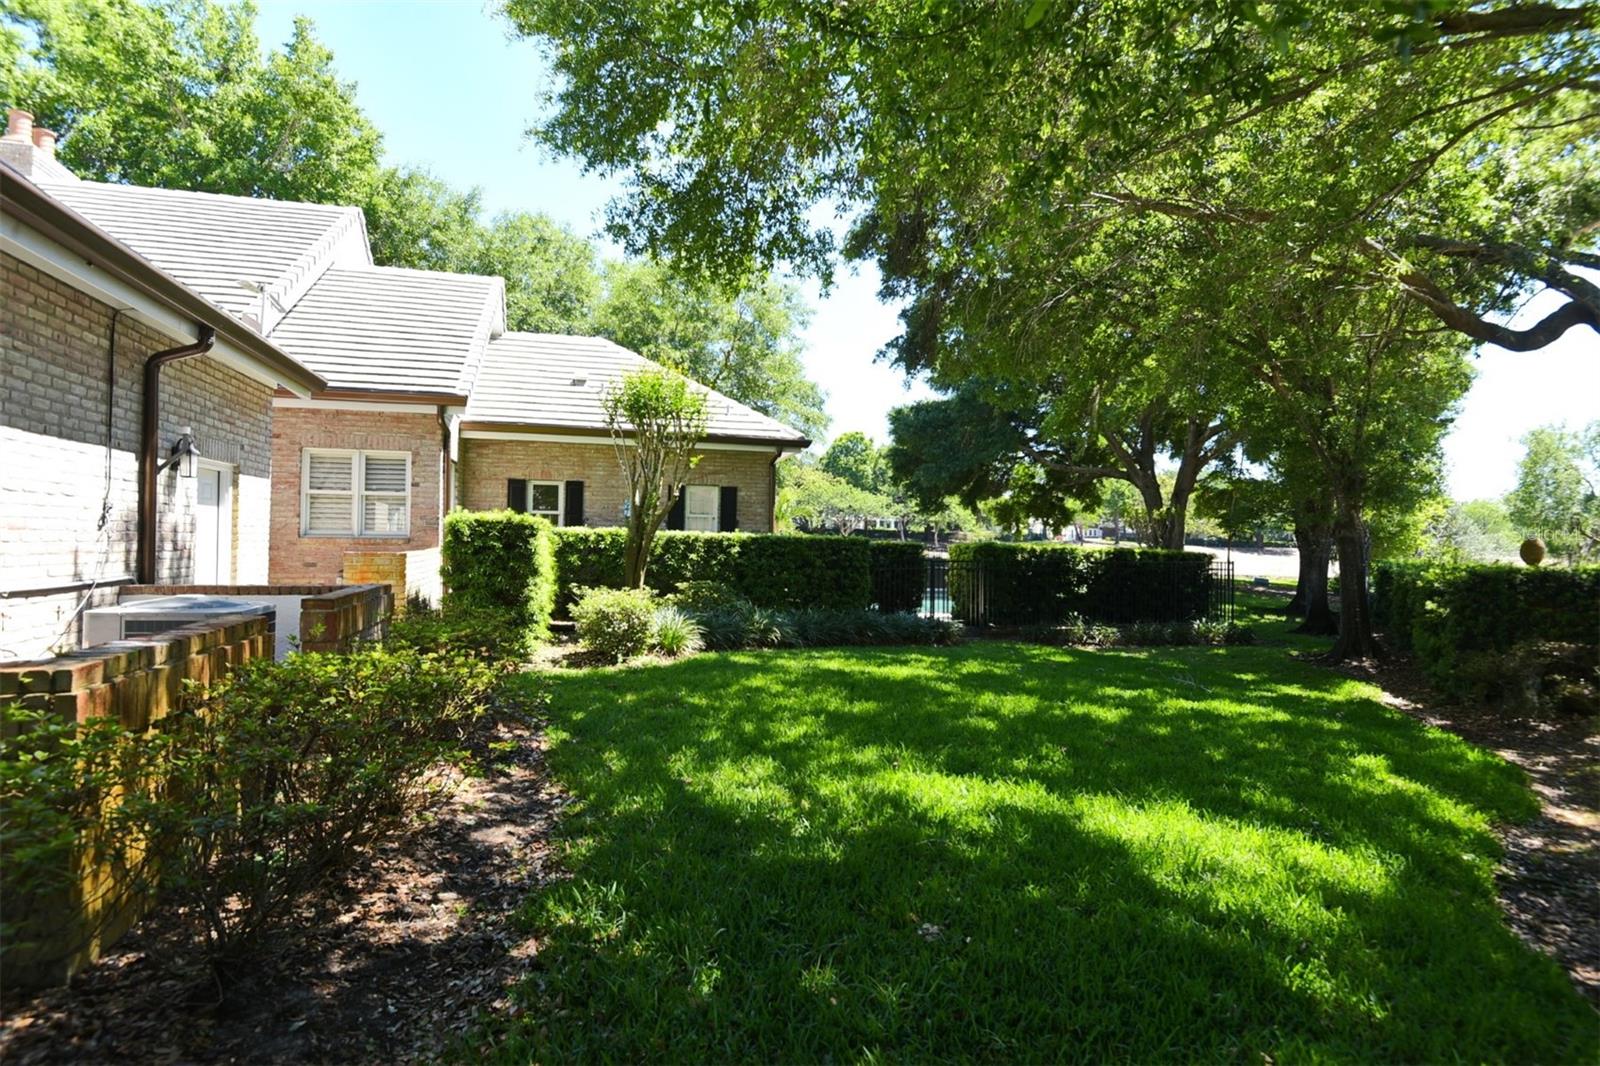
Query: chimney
19	125
31	149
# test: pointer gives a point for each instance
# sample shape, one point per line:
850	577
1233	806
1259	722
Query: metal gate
980	593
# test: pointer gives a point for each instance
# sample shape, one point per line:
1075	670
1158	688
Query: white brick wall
53	455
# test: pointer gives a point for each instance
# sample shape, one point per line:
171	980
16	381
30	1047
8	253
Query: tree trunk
635	553
1356	640
1302	546
1319	617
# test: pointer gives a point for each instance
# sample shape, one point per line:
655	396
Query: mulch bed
393	965
1550	877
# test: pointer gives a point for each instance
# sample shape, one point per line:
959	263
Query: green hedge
899	575
1447	613
501	564
768	569
1005	583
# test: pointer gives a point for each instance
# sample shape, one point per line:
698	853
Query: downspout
772	486
150	444
446	478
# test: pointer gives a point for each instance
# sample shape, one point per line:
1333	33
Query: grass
1003	851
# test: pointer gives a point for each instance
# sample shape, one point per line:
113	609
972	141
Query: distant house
119	378
414	397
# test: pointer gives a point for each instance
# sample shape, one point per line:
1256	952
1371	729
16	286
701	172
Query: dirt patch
1549	879
390	966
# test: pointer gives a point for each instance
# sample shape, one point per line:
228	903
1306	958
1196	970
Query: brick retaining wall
137	682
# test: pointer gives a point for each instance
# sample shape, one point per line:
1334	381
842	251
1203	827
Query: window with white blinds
348	493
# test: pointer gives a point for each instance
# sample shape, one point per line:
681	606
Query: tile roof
553	382
394	329
212	242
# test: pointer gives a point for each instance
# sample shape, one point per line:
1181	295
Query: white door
213	525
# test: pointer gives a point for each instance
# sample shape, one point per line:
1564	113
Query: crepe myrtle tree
656	418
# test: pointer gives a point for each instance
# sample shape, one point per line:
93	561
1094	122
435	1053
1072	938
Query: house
421	399
135	425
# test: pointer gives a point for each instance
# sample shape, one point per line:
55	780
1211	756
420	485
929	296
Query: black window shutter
728	509
675	516
572	513
516	494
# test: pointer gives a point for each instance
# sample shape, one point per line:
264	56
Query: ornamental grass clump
676	633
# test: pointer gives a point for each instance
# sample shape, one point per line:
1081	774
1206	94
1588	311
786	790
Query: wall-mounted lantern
185	454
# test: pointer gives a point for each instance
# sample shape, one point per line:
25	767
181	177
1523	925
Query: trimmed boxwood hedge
1007	583
1445	613
899	575
501	565
768	569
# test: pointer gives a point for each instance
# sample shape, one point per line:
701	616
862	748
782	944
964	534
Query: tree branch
1532	19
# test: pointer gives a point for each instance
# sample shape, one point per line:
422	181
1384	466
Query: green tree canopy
854	457
1445	149
1558	490
811	496
744	342
181	95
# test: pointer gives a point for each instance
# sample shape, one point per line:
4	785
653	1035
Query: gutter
603	436
150	443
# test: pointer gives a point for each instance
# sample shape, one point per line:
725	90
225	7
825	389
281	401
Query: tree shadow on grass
1008	851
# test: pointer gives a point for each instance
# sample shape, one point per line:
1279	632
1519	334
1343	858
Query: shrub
1446	613
899	575
748	626
1004	583
705	596
282	773
501	565
59	799
766	569
676	633
1537	676
616	623
478	634
1078	632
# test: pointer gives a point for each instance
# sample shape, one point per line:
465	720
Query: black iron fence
983	592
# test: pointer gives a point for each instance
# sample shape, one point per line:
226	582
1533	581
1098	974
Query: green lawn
1014	852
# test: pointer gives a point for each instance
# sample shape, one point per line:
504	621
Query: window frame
357	493
716	508
559	516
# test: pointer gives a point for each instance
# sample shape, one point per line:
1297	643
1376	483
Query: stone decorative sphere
1532	551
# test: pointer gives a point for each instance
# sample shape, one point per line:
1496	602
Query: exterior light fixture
185	454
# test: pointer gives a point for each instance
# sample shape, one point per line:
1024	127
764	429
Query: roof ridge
483	333
382	268
128	185
300	276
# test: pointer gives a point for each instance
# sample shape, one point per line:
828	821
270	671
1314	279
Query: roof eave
38	210
602	434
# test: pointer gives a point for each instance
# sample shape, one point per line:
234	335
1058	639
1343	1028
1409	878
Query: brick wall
138	682
408	575
312	617
297	559
54	393
335	620
486	465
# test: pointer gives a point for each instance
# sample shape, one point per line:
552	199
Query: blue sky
451	92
